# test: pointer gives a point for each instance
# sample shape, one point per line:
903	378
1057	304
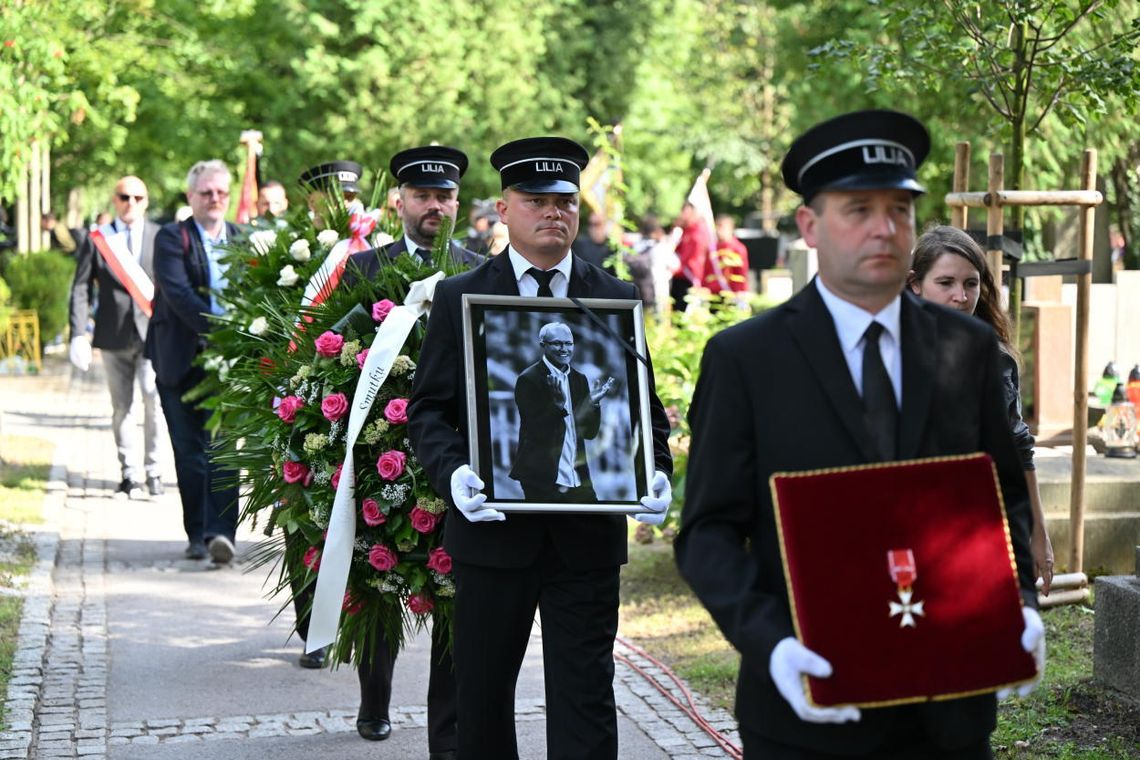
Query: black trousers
757	747
375	675
207	511
494	612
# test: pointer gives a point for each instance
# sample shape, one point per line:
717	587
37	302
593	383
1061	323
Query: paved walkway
127	651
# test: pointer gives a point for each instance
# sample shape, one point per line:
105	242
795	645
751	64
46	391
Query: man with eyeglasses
558	413
189	270
118	262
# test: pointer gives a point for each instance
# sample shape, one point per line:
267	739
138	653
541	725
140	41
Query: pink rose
370	510
295	472
335	482
350	605
288	408
439	560
380	309
361	358
334	406
396	411
420	604
381	557
390	465
329	344
422	521
312	558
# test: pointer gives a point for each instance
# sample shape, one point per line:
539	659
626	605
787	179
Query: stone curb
22	702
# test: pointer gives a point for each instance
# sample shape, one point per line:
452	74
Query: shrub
42	281
5	305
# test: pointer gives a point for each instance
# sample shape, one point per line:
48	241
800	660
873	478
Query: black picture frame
511	398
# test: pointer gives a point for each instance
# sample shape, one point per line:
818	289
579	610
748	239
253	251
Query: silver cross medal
906	609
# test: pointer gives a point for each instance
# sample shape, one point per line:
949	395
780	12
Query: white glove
1032	641
659	498
467	493
80	353
790	661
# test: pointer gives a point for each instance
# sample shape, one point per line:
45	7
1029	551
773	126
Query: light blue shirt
852	321
214	250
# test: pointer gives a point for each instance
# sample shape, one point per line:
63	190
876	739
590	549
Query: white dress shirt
528	286
852	321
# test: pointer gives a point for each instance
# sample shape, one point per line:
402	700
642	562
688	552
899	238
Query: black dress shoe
312	660
154	485
448	755
128	489
196	550
374	730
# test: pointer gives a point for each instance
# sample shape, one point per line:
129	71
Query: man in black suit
565	565
851	370
428	179
188	270
557	414
119	260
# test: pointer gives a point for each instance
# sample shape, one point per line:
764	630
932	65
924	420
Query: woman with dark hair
949	268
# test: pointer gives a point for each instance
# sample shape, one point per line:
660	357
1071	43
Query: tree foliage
150	86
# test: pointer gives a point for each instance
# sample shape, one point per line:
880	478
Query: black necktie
543	279
880	409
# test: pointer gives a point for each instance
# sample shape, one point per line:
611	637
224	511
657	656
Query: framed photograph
558	403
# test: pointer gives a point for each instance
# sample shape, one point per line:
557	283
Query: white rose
300	250
213	363
328	238
258	326
262	241
288	278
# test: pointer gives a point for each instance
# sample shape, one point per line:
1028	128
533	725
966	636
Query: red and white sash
112	246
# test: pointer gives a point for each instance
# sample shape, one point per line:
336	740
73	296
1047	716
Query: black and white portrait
556	398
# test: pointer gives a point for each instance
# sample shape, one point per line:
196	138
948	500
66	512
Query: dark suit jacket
542	426
181	301
365	264
775	394
119	323
437	426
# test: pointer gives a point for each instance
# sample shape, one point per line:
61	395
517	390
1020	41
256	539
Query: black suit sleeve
712	550
433	415
587	414
82	287
997	441
172	277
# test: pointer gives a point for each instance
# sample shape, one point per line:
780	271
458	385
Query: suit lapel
813	330
581	279
503	282
919	368
147	261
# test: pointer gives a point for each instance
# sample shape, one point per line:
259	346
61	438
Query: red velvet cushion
836	529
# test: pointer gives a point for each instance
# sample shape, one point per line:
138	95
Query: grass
24	466
1068	717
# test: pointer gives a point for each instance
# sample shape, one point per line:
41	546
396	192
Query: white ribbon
332	578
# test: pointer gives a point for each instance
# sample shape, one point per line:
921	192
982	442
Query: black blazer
542	426
775	394
119	323
365	264
179	325
437	427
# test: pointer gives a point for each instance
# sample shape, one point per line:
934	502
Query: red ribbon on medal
904	572
901	564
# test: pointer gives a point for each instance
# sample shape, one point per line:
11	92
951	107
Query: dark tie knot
543	279
874	330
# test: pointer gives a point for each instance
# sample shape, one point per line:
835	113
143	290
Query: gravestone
1116	639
